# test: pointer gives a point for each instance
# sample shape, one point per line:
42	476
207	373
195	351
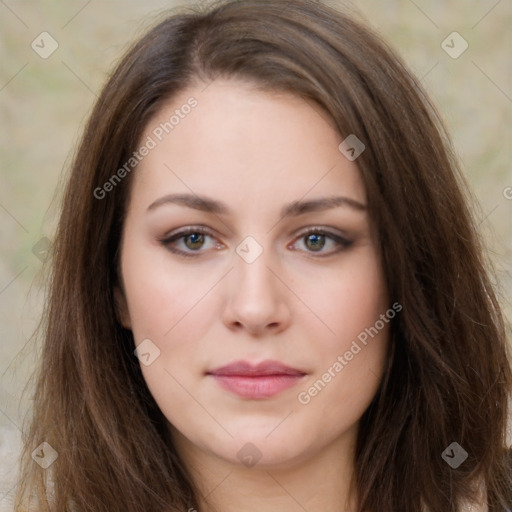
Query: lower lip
258	387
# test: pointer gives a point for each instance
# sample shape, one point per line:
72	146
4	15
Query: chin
256	449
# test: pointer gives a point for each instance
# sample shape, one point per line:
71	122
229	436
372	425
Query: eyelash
342	242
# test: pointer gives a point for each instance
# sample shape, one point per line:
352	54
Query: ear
121	306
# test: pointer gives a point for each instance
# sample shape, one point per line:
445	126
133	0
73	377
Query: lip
256	381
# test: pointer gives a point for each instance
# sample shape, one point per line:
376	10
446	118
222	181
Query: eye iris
315	242
196	240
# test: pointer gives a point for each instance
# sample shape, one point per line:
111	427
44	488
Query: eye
315	240
189	241
194	240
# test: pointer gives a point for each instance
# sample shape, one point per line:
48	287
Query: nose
257	300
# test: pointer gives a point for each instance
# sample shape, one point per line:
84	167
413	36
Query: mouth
256	382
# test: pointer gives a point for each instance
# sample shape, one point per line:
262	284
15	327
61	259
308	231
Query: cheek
171	306
351	353
346	382
162	296
174	307
347	299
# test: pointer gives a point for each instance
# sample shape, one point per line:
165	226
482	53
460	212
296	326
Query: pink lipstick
256	382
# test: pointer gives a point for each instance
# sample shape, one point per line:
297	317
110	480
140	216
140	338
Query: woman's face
250	277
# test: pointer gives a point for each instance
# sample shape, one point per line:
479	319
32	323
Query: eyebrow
292	209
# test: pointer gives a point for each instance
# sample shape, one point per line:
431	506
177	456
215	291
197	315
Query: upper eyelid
181	232
341	240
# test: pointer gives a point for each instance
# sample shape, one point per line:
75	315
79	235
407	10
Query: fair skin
301	302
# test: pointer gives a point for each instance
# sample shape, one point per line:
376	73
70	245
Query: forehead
237	142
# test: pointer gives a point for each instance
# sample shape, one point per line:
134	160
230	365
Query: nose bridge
256	298
251	267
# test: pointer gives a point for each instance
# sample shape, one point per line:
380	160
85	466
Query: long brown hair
450	375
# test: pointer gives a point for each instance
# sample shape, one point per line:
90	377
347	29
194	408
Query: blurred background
55	56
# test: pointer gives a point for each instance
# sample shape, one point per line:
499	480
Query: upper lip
245	368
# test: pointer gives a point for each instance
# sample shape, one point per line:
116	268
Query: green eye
194	240
190	242
315	242
316	239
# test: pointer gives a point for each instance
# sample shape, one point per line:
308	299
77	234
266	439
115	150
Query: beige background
44	102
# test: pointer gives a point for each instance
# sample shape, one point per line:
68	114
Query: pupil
315	242
196	240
